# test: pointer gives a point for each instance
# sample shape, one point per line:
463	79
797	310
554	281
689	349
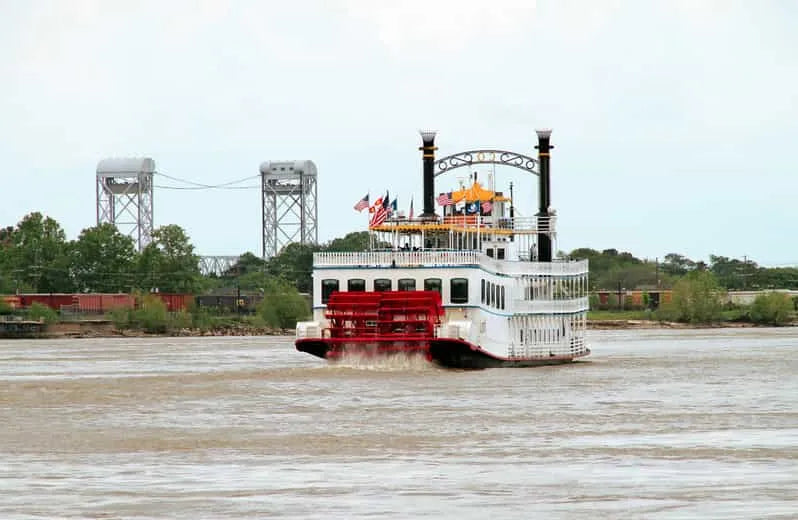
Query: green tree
356	241
696	299
103	260
282	305
610	268
38	255
168	263
294	263
677	265
247	263
773	308
732	273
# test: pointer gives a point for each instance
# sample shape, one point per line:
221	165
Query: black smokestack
544	197
428	156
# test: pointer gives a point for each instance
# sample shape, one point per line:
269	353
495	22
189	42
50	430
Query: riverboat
473	287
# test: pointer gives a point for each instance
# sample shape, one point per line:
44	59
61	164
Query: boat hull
445	352
457	353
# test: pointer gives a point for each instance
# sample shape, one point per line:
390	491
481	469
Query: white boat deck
446	258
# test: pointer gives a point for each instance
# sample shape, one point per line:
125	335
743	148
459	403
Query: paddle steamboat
472	287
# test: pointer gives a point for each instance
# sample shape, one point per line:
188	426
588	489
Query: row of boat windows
458	287
492	294
499	252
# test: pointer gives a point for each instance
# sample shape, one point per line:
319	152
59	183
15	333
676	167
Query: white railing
446	259
553	306
518	267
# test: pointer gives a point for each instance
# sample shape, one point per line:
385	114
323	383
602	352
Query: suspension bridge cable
206	188
201	186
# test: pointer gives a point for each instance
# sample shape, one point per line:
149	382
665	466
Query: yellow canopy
476	193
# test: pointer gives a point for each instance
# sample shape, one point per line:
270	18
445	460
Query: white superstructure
510	307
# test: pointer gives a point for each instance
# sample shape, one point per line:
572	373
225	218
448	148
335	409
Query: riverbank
653	324
107	329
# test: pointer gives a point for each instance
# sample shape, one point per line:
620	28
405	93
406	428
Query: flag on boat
394	207
487	206
445	199
381	212
410	216
362	203
377	205
472	208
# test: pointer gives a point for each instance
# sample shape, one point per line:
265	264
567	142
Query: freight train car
245	303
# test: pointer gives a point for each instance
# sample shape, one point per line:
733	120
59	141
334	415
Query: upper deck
495	225
444	259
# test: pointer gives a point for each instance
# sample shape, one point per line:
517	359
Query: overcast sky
675	122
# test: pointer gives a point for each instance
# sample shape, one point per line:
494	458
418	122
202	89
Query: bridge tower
290	205
124	196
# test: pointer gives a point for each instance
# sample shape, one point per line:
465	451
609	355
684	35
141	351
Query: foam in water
396	362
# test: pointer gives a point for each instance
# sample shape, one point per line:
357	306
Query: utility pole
656	261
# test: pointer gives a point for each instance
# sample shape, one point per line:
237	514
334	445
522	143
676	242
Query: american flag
445	199
362	203
486	206
379	216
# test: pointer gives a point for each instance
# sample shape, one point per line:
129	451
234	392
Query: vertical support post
265	253
544	196
428	156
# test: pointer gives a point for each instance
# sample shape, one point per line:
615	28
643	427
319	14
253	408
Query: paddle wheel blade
377	324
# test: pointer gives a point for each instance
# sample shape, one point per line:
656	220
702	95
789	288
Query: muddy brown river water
664	424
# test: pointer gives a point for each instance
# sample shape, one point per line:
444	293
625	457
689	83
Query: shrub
181	320
594	301
121	317
151	315
696	299
5	307
773	308
283	306
39	311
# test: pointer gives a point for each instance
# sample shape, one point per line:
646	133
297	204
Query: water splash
396	362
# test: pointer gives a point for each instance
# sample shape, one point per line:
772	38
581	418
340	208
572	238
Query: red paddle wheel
377	324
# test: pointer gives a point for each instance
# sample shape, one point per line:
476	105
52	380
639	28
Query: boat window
327	287
483	291
356	284
489	252
500	253
433	284
407	284
493	295
458	290
501	299
382	284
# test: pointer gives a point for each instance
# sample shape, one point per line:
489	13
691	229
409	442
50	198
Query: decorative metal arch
471	157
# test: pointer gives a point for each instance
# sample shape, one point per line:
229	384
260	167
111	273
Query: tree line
610	269
35	256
